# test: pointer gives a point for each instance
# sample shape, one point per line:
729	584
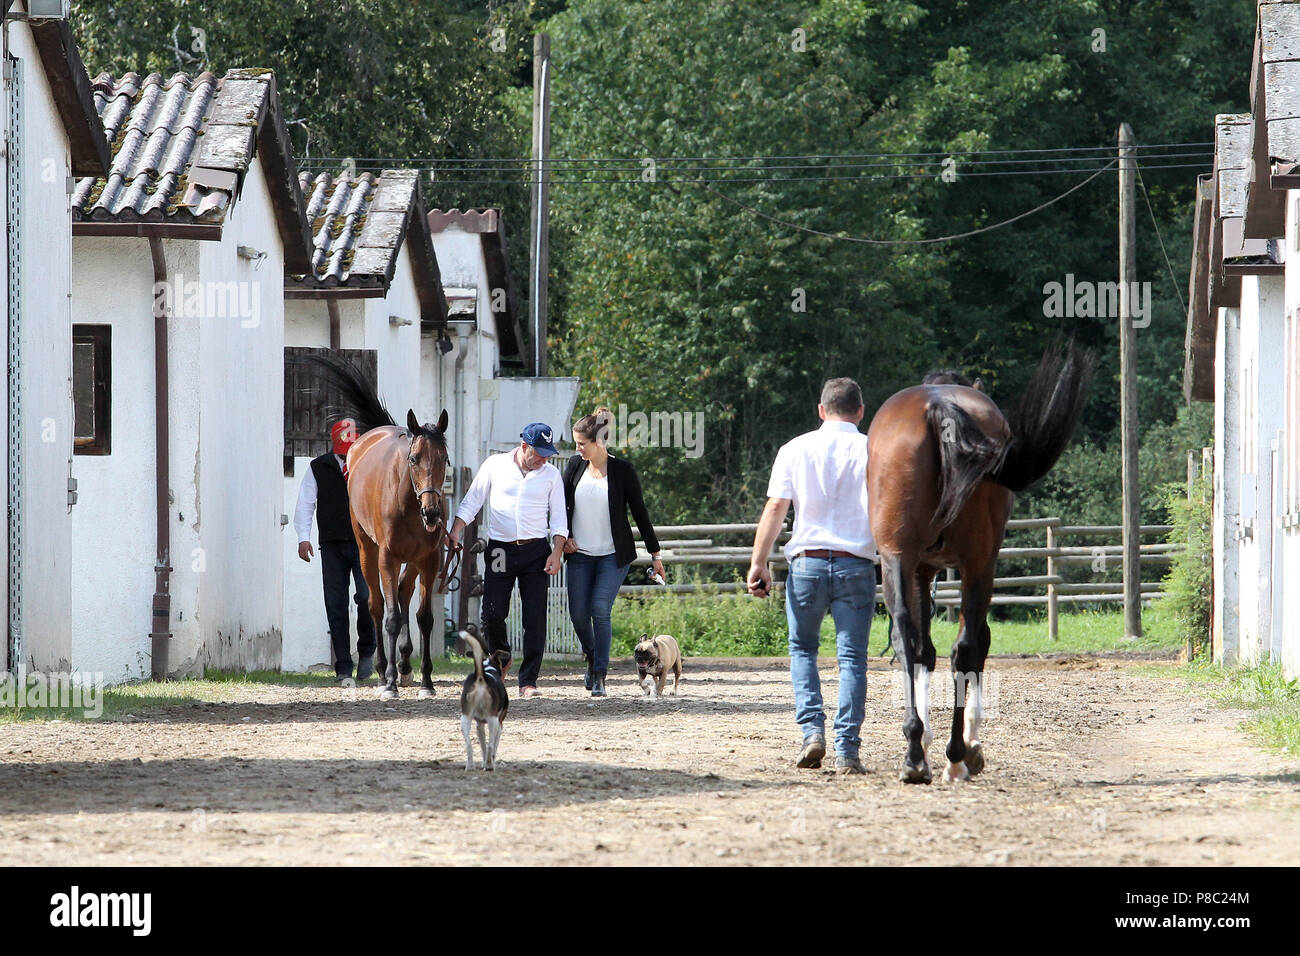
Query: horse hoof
919	774
426	693
387	693
404	681
956	772
974	758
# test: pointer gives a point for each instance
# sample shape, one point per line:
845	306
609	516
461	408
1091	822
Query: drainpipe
162	600
462	338
336	334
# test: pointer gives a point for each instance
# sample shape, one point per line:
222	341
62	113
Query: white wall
114	525
46	420
1260	379
225	369
363	324
1287	644
1227	487
241	386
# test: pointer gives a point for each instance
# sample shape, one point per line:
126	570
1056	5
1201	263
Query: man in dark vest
324	492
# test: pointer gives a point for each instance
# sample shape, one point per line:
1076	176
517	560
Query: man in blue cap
525	496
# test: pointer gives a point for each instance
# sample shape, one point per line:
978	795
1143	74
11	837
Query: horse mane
945	376
357	398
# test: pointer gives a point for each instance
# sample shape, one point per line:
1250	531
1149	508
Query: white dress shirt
522	505
591	527
306	510
825	474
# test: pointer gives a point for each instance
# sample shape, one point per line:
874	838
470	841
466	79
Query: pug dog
655	657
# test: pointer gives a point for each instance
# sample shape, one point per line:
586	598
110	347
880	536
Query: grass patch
1264	690
216	687
736	625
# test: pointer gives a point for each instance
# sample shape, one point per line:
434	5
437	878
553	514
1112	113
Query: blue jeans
593	583
847	588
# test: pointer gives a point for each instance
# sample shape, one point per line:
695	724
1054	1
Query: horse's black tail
966	456
355	397
1045	417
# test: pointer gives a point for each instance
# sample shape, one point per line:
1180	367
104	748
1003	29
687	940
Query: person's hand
304	550
658	567
453	538
759	580
554	563
570	546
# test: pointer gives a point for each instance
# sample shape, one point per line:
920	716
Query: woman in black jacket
598	491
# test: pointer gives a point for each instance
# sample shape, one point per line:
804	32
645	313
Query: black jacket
624	493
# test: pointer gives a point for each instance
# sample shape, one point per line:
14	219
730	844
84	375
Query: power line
698	180
1155	225
526	161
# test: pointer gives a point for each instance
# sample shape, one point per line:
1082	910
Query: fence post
1052	622
950	613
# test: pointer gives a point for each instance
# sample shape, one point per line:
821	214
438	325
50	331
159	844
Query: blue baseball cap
540	436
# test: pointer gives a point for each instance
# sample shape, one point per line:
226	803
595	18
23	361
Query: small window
92	368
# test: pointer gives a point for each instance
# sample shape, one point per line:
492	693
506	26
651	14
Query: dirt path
1088	762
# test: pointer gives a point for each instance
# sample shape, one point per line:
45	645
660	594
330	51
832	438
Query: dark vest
331	500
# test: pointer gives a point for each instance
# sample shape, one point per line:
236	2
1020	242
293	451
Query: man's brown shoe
814	749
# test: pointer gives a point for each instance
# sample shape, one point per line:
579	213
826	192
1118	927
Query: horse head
427	463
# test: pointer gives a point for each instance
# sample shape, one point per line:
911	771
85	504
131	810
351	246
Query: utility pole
1132	520
539	247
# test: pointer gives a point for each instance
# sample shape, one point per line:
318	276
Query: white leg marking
921	689
974	710
494	735
469	747
482	742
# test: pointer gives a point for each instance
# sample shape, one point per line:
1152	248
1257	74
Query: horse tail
966	456
476	650
356	397
1046	415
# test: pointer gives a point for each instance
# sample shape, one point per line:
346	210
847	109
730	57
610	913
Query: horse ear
442	422
412	423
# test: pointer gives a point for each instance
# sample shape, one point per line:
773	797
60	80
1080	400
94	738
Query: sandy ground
1088	762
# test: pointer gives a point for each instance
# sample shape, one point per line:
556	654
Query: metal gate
13	228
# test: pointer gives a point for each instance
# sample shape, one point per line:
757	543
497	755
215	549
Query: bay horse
395	499
943	466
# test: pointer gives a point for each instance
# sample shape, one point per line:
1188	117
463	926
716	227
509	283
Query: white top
825	474
591	528
522	504
307	494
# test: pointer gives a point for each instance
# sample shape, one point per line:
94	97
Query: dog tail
475	649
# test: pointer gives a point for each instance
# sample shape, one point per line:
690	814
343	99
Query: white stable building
51	132
179	255
374	292
1243	352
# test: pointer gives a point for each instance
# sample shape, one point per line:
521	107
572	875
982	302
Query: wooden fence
697	546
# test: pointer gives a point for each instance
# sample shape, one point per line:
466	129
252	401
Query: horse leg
899	574
370	571
390	571
925	663
968	654
424	618
404	643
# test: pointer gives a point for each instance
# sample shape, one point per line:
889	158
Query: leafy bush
1189	585
706	624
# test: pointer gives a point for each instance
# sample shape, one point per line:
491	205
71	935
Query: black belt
520	543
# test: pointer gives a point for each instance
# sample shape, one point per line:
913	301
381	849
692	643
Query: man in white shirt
324	495
831	555
525	495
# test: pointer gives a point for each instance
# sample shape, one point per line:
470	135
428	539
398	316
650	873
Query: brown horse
395	478
943	463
